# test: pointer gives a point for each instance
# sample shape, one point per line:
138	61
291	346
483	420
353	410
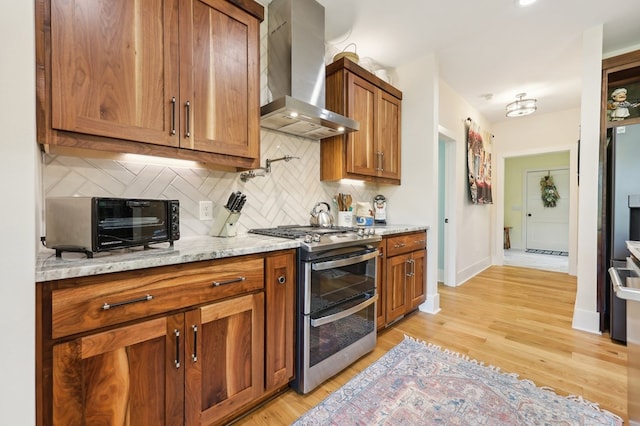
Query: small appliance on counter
364	213
225	217
94	224
380	209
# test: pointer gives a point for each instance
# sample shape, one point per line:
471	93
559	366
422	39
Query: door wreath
549	192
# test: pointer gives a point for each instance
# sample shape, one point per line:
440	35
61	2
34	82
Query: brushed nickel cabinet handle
108	306
411	268
194	355
231	281
187	107
173	115
176	332
382	161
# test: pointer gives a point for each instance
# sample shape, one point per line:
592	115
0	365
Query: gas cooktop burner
315	238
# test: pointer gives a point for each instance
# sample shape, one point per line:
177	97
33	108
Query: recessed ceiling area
489	50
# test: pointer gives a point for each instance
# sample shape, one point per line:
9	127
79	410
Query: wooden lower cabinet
125	376
405	275
280	290
202	364
224	358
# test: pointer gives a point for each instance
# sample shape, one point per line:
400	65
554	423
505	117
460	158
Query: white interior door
547	228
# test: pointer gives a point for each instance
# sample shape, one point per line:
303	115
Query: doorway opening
539	230
446	209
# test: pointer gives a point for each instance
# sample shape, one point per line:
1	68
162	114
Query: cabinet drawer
103	301
406	243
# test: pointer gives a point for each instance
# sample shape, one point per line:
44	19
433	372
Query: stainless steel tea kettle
320	217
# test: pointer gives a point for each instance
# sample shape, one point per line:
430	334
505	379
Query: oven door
338	324
130	222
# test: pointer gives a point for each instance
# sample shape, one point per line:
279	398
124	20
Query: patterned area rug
419	384
554	252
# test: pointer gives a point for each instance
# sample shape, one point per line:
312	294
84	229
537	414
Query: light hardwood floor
513	318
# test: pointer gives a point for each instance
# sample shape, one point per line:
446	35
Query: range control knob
308	238
316	238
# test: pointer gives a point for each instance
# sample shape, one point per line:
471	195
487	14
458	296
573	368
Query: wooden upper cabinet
172	78
362	107
373	152
114	68
219	69
389	135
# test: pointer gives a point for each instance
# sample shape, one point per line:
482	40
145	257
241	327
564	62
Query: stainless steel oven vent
296	73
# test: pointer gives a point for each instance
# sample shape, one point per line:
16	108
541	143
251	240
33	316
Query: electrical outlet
206	210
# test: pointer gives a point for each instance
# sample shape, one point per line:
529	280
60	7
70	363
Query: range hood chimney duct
296	73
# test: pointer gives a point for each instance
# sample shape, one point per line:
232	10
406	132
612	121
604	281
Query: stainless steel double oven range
336	302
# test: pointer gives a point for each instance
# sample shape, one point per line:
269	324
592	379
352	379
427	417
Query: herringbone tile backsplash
285	196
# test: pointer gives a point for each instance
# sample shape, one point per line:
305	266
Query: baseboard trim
588	321
431	305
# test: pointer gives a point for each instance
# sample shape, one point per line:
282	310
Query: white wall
585	315
474	223
17	221
536	134
415	201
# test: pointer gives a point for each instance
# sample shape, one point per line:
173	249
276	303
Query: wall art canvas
479	165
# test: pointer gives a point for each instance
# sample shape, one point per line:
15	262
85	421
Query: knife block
224	223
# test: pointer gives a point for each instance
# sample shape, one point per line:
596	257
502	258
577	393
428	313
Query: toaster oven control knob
308	238
316	238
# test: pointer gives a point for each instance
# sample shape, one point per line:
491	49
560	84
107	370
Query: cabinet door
382	291
280	317
224	361
362	107
418	290
127	376
114	68
388	135
396	286
220	78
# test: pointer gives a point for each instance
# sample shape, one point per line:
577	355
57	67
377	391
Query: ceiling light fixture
523	3
521	106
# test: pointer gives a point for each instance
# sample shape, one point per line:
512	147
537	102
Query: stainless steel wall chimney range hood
296	73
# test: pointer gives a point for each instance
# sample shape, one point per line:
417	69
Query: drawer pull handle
231	281
399	245
177	360
420	241
282	279
108	306
194	355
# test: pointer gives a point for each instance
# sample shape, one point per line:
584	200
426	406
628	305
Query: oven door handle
343	314
321	266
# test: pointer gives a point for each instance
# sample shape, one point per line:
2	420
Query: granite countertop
190	249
